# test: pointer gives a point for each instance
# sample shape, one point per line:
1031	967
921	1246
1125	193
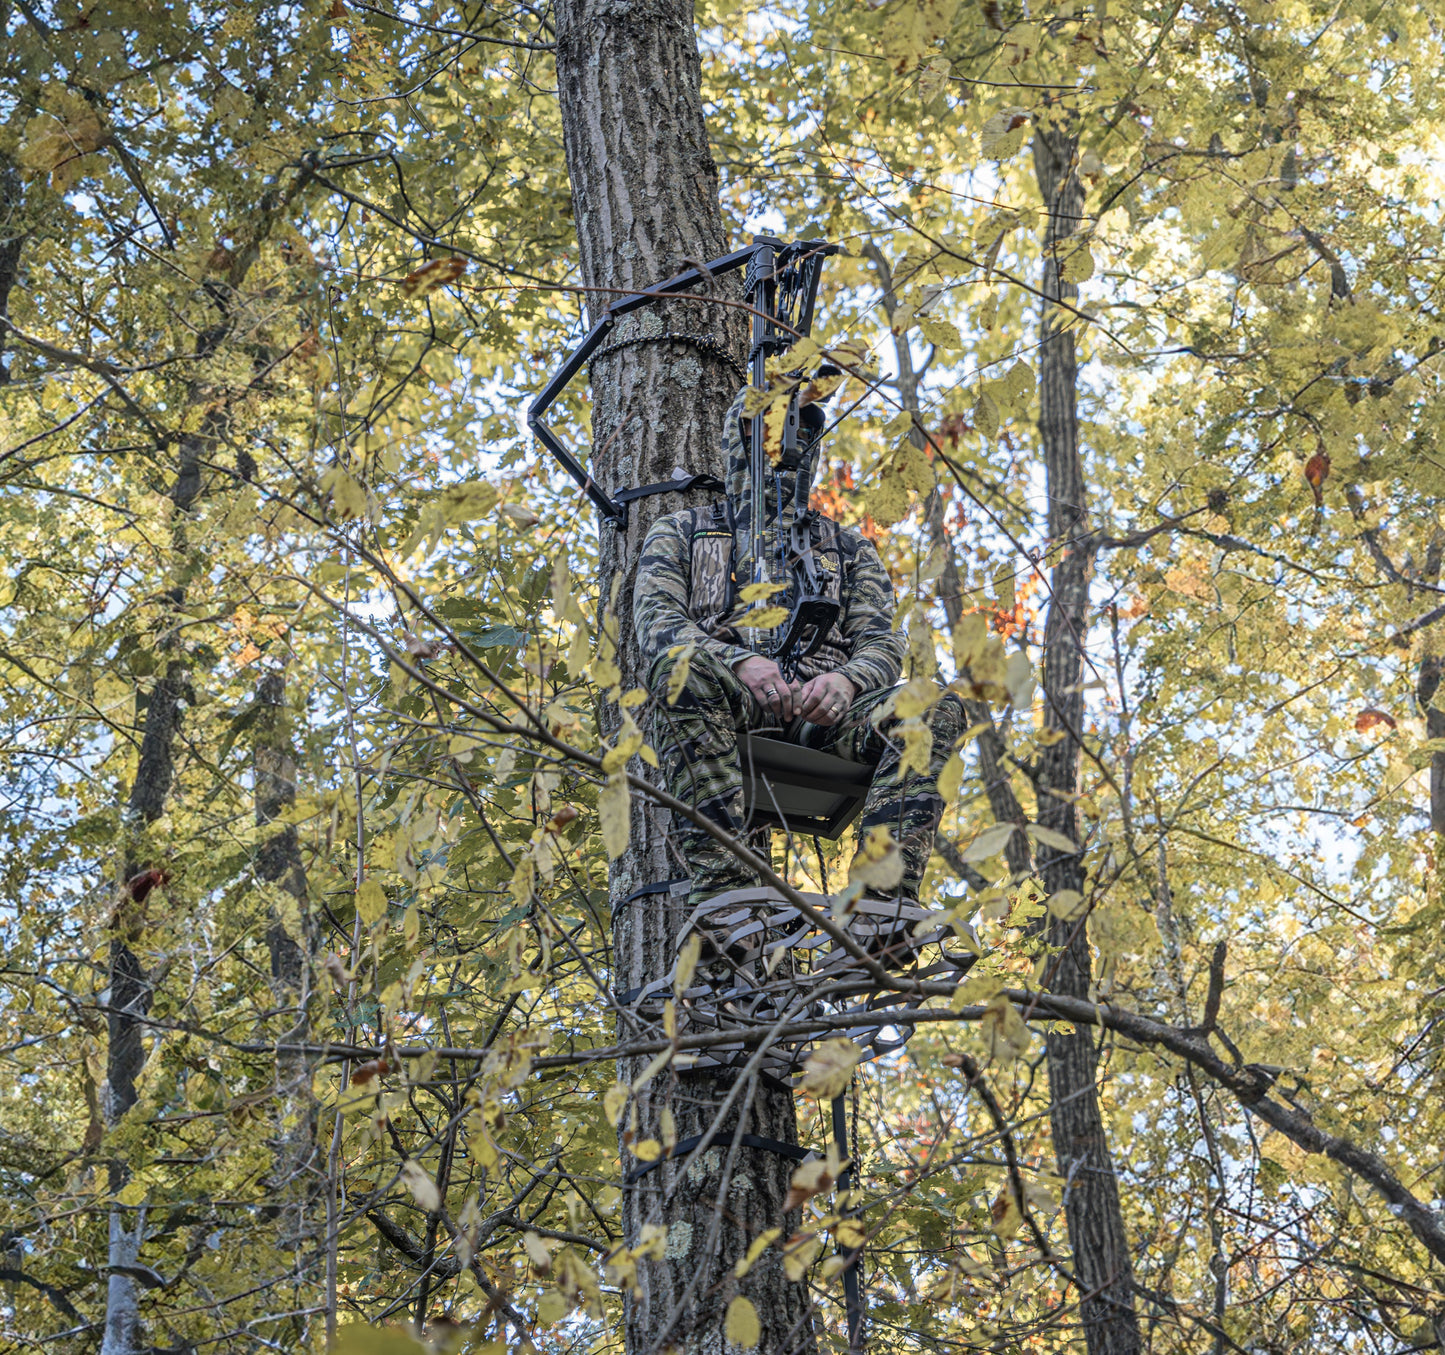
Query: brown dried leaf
430	276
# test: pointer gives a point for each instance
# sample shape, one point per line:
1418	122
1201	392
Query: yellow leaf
577	650
917	696
933	78
614	812
552	1307
989	843
524	879
687	959
1122	929
969	638
54	142
1004	1033
985	414
850	1233
917	749
1066	904
628	742
538	1252
830	1069
763	618
1020	381
756	1248
348	495
1003	134
775	419
950	778
1076	264
878	863
371	902
667	1125
677	679
1051	837
466	501
652	1242
741	1326
888	503
649	1150
423	1189
801	1249
812	1178
615	1102
943	333
133	1192
659	1062
980	988
361	1338
756	592
1006	1215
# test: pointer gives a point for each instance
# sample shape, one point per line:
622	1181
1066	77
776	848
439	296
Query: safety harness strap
680	484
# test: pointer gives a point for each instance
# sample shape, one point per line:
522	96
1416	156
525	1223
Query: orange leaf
562	818
430	276
1368	718
366	1071
1317	471
138	886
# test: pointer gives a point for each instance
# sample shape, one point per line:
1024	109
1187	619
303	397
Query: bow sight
781	287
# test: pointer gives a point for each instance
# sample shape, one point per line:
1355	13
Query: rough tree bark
645	198
1100	1245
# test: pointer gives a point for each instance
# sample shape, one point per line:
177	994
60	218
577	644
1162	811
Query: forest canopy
326	764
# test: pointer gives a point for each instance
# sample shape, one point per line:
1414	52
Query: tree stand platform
765	965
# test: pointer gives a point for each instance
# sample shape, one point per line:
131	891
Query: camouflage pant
697	740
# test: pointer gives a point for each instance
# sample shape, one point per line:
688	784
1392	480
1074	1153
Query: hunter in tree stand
688	615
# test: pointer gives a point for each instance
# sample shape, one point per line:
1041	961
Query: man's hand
824	700
764	680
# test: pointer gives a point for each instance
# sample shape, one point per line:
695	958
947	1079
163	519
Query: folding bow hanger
781	286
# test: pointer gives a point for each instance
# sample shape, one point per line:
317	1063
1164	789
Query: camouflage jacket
670	607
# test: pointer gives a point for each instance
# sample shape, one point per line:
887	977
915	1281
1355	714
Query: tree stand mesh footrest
763	957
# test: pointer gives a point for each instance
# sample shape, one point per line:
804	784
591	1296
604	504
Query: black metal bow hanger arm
782	284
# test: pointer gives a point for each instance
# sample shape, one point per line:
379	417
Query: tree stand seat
800	790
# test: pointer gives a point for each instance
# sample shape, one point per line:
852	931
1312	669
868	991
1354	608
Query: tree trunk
1102	1264
12	238
289	938
130	984
645	197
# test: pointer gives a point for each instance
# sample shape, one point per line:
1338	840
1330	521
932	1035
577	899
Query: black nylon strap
681	485
685	1146
660	887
